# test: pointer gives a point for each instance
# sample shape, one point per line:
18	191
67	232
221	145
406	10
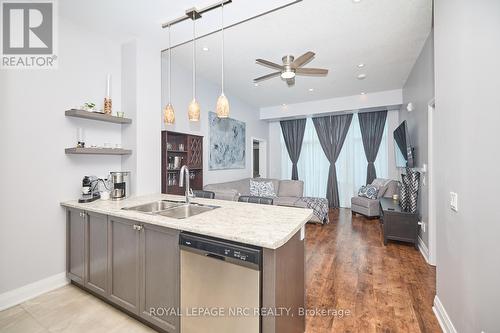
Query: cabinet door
75	245
160	276
194	151
124	263
97	253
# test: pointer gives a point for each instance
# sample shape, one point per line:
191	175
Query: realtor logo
28	34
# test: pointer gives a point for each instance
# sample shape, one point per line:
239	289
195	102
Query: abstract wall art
227	143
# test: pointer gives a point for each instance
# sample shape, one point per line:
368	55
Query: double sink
173	209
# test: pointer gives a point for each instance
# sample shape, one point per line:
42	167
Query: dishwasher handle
215	256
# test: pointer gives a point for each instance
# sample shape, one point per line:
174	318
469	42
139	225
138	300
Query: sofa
288	192
371	207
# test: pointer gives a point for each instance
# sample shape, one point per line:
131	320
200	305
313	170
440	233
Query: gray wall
36	174
467	55
419	90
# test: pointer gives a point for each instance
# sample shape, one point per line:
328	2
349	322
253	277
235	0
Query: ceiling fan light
194	111
169	114
222	108
288	75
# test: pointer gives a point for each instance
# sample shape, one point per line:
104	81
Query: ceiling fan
290	68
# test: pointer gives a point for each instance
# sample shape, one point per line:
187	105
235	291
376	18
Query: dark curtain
293	133
332	131
372	129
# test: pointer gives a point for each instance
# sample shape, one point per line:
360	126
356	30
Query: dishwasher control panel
221	249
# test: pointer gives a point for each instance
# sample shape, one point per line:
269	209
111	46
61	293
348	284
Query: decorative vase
403	194
108	106
413	180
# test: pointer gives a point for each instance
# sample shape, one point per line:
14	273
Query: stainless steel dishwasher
220	285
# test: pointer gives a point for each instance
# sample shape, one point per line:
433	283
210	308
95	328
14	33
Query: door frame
262	157
431	111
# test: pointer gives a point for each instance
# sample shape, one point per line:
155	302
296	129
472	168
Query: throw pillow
262	189
382	185
254	188
368	191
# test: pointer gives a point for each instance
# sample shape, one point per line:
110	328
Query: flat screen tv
403	148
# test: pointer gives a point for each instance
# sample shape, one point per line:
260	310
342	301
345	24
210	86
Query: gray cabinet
75	245
160	276
133	265
96	264
124	263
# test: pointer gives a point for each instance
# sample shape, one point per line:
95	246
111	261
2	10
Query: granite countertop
261	225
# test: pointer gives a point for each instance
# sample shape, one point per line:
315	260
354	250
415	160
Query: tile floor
67	309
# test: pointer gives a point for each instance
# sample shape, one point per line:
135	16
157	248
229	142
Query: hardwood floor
380	288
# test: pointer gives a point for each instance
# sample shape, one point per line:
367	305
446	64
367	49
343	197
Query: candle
108	86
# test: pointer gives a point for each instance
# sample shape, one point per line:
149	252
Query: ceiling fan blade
311	71
303	59
268	64
265	77
290	82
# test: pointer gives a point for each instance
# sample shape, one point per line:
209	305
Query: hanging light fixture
168	112
222	107
194	107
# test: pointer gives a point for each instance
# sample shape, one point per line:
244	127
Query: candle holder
108	106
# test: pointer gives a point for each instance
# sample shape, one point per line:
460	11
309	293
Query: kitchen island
131	259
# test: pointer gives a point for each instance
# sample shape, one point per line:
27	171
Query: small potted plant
89	106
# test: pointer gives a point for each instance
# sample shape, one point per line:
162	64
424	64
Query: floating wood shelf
98	151
97	116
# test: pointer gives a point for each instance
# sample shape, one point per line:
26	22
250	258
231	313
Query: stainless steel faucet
185	173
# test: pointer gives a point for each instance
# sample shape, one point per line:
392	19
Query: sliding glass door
351	164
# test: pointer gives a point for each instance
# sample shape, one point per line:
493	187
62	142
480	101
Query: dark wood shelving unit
192	156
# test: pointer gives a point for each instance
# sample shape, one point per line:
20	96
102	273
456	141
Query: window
351	165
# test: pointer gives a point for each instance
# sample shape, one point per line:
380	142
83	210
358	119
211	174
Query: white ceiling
386	35
122	20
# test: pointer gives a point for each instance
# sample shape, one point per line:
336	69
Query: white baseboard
29	291
442	316
423	249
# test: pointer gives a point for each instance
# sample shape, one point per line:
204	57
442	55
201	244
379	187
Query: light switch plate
454	201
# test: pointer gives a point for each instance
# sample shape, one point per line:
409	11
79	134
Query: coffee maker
120	185
89	193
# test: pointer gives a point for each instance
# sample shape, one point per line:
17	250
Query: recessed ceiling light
361	76
205	49
361	65
283	104
363	93
356	1
311	89
255	84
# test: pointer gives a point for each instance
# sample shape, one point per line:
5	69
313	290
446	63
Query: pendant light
222	107
194	107
168	112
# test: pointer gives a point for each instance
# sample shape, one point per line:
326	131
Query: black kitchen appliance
89	192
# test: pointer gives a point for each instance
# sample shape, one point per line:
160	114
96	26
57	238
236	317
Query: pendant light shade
168	112
222	107
194	107
194	110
